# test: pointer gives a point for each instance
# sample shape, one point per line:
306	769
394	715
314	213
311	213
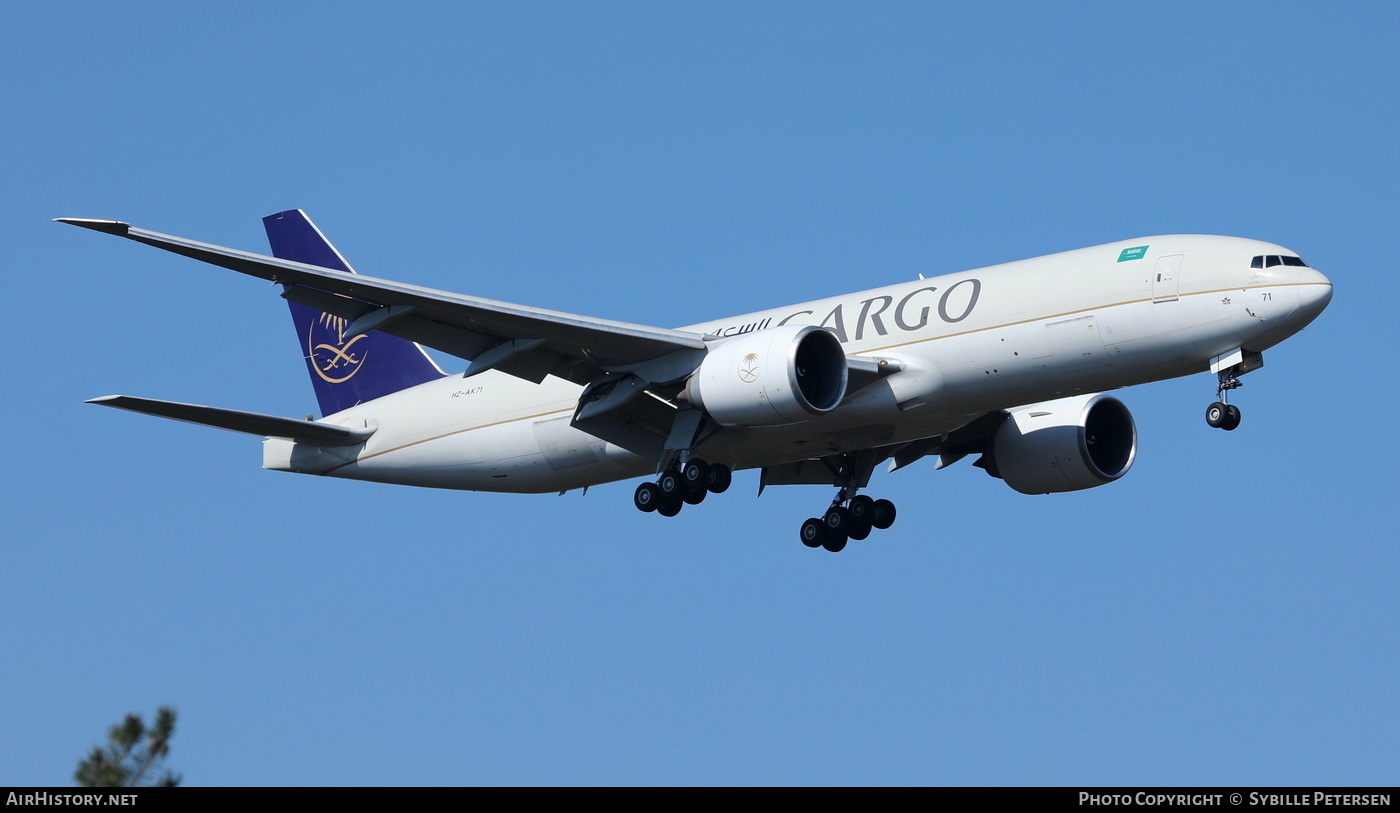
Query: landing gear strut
1222	414
686	485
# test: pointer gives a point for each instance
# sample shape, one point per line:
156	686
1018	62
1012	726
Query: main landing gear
850	517
686	485
1222	414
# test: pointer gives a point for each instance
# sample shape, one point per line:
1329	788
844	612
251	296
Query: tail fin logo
332	357
748	368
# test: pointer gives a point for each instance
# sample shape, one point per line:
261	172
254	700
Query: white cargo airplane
1006	362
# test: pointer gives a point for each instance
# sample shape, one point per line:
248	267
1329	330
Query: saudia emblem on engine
332	357
748	368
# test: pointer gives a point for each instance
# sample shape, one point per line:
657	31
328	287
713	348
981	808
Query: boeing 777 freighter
1007	363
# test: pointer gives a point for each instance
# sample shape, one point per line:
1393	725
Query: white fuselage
992	338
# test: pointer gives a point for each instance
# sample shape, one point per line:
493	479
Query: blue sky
1225	614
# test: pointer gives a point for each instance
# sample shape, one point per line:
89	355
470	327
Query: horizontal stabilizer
253	423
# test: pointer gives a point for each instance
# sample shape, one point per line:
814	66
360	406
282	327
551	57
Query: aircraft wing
523	341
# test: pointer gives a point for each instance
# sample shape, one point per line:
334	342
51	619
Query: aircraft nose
1314	292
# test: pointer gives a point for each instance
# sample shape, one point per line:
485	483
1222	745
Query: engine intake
1065	445
771	377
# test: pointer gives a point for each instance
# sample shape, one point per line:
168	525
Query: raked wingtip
116	227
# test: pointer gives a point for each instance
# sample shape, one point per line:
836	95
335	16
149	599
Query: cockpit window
1271	260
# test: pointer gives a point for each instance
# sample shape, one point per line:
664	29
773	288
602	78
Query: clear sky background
1225	614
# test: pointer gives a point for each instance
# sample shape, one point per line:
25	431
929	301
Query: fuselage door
1166	278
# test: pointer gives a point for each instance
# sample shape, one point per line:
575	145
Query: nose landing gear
1228	368
1222	414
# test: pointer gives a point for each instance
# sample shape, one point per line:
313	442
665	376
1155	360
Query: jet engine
1064	445
771	377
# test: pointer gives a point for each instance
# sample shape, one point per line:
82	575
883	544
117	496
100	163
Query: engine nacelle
1065	445
771	377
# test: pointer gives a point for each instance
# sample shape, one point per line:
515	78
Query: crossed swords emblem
339	352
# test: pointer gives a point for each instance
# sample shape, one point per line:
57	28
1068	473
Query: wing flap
234	420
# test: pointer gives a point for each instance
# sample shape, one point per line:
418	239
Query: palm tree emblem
748	368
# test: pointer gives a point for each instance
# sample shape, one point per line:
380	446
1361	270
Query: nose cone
1314	292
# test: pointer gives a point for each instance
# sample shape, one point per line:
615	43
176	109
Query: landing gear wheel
1216	414
647	497
695	475
838	522
668	509
862	510
671	485
719	478
694	496
1232	418
813	533
883	515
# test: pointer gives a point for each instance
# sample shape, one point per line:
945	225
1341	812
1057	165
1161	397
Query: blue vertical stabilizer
344	372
